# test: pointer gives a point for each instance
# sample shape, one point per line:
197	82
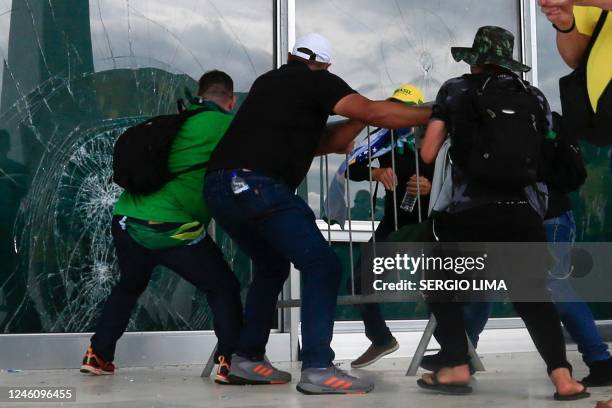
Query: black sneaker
375	353
600	374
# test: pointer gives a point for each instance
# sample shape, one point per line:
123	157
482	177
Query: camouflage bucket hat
492	45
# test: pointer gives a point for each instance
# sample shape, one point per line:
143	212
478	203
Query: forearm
392	115
434	137
338	136
572	47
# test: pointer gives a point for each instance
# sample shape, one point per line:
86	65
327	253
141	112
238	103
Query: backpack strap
514	76
186	115
189	113
600	24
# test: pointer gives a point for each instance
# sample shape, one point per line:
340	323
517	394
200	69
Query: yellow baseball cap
408	94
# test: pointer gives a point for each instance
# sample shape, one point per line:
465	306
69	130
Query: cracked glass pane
75	75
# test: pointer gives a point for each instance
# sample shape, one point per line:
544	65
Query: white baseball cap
313	47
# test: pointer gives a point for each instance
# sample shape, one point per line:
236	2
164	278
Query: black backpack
140	155
497	134
562	165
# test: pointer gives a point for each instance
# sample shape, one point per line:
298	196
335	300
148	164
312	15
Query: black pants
498	223
201	264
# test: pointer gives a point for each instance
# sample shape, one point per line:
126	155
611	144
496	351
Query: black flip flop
573	397
447	389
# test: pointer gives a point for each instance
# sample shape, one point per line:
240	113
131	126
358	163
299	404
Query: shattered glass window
75	75
378	46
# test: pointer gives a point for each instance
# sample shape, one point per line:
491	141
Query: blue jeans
574	312
475	317
274	227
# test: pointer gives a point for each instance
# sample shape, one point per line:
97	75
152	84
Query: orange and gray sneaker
332	380
96	365
223	371
244	371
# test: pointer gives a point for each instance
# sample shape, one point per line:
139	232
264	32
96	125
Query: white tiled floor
513	380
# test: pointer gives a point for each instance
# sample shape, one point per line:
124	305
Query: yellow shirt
599	67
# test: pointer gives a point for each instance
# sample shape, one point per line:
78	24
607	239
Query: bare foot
564	383
603	404
459	375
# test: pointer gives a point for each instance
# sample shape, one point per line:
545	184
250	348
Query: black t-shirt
279	126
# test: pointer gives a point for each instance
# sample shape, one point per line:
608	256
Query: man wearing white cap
250	190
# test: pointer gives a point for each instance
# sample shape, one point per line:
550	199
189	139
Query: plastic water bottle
408	202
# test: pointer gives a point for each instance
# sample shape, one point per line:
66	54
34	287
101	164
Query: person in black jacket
479	212
560	227
403	179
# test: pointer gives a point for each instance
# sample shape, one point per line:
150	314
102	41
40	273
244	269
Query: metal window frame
528	11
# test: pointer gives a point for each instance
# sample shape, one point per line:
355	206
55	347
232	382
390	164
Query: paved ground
513	380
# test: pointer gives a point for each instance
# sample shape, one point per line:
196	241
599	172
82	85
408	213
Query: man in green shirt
168	227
